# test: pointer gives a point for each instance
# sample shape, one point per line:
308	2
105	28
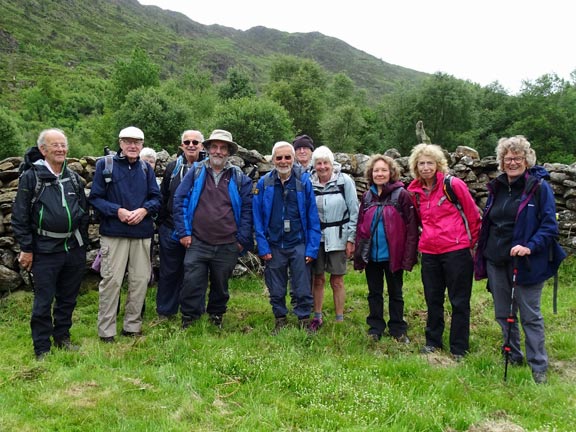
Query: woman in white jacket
337	204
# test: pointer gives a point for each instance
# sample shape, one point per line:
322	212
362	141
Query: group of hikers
305	219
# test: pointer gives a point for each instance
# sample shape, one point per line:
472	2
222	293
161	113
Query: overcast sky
482	41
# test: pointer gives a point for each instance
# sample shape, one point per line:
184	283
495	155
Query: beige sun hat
224	136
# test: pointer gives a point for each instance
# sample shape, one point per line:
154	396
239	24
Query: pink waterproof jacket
443	228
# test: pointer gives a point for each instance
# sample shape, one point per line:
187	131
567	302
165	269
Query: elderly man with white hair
287	233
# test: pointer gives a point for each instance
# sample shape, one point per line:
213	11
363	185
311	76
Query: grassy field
242	379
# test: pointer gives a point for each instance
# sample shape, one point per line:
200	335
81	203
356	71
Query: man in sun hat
303	147
212	215
126	196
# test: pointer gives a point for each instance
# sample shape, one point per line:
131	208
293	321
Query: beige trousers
118	255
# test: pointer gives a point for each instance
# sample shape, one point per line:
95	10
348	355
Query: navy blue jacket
535	228
132	187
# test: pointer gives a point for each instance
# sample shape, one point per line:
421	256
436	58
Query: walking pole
555	295
510	320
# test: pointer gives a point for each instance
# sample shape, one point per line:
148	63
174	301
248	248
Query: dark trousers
202	263
276	278
57	278
375	273
451	270
171	272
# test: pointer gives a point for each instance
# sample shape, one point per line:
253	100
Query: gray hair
148	152
281	144
192	131
41	141
323	153
517	145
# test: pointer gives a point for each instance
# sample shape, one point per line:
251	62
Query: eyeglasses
132	141
516	160
190	142
287	157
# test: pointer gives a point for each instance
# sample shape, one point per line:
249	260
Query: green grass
242	379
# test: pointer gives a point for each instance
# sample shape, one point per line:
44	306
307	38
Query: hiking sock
339	317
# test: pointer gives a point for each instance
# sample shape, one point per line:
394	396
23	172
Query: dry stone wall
464	163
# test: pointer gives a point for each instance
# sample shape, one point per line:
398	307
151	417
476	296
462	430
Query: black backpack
32	155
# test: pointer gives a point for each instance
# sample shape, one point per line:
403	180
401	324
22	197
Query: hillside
80	38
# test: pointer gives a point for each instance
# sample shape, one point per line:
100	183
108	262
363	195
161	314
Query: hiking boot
107	339
457	357
187	322
131	334
304	323
402	339
66	345
539	377
428	349
42	356
314	325
374	337
280	323
216	320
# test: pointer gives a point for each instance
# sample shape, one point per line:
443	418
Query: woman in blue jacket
519	232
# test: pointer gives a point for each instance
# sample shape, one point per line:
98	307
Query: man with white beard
287	231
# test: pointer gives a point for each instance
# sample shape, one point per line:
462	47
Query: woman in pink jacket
448	236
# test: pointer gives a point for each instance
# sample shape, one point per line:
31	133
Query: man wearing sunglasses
212	215
288	234
171	251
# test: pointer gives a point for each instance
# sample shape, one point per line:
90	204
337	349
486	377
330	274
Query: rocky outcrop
464	163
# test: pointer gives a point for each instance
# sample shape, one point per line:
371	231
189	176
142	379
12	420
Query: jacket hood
539	172
387	189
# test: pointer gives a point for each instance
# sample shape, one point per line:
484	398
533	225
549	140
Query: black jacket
59	208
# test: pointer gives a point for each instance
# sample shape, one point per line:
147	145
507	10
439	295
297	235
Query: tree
9	136
546	114
255	123
342	129
140	71
300	87
237	85
160	117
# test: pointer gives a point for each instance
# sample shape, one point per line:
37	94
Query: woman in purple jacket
386	245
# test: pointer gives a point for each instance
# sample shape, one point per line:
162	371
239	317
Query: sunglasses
279	158
190	142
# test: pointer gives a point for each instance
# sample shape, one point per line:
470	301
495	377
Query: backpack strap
108	167
345	217
451	196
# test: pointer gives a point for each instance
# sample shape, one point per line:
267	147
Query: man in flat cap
212	215
126	197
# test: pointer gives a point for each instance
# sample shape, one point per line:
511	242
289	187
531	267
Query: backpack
345	217
450	196
109	166
32	155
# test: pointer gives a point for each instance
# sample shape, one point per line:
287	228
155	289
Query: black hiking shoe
216	320
66	345
279	324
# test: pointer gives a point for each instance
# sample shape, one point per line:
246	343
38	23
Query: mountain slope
79	38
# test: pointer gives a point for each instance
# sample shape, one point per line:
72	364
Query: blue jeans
57	276
276	278
202	263
450	271
171	272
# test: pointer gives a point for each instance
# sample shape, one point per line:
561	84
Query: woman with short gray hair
518	250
